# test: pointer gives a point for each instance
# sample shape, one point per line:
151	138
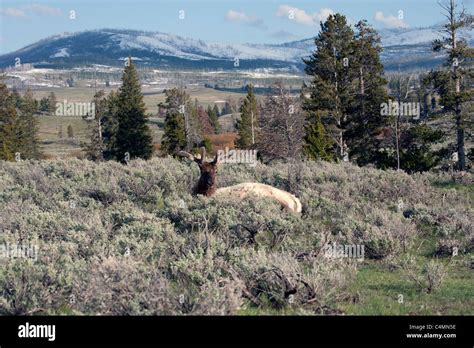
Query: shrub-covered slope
115	239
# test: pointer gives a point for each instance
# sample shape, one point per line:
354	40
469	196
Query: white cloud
242	17
42	10
303	17
390	21
12	12
24	11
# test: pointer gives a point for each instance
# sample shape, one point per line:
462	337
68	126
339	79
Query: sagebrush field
130	239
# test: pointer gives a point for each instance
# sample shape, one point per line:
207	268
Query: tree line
350	111
18	125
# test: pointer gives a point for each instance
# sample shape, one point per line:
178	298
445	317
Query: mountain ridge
407	47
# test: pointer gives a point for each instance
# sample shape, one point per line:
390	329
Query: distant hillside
408	47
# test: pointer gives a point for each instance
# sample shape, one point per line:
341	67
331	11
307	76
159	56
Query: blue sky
234	21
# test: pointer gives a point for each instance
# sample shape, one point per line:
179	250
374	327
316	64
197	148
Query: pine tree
213	114
317	144
247	127
17	97
28	133
416	148
18	126
44	105
52	103
331	89
216	111
133	134
8	124
174	137
453	84
365	120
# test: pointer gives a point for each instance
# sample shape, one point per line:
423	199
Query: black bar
266	330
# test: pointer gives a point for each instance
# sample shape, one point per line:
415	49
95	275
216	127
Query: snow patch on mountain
193	49
417	36
62	52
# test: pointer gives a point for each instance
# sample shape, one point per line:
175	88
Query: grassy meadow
54	146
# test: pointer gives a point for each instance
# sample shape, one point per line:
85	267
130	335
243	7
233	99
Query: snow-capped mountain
406	47
417	36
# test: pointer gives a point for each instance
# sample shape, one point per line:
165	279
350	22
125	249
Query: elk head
207	183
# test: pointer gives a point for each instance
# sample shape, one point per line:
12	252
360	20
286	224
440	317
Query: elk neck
206	185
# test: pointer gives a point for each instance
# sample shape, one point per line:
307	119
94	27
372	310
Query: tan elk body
207	185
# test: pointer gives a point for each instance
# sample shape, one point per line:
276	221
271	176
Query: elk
207	185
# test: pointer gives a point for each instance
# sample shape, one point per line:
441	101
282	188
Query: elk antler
198	160
187	155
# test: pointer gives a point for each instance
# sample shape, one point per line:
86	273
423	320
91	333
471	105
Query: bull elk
207	185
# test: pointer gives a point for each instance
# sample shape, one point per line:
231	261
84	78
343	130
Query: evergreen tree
17	97
213	114
52	103
133	134
207	144
216	111
174	137
28	133
8	124
331	89
248	125
416	152
44	105
365	120
18	126
346	92
317	144
453	84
